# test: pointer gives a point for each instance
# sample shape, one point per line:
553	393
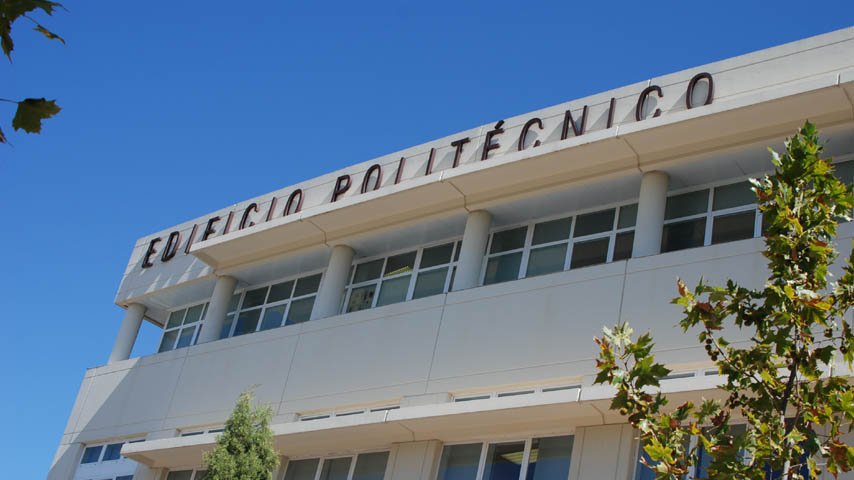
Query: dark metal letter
611	112
243	220
272	207
525	129
458	144
146	261
642	99
430	162
400	166
341	187
171	246
568	121
291	198
488	145
228	223
689	97
209	229
190	240
375	167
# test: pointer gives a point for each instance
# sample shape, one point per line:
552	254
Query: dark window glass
680	235
550	458
92	454
845	172
504	461
368	271
112	452
430	283
247	322
370	466
546	260
300	311
168	341
503	268
459	462
361	298
735	195
552	231
394	290
438	255
736	226
307	285
235	300
595	222
588	253
628	216
623	245
186	337
335	469
273	317
280	291
193	314
399	264
691	203
302	469
180	475
508	240
255	297
175	319
124	477
226	327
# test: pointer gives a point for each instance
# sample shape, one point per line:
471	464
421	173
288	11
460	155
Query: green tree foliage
31	111
245	449
781	381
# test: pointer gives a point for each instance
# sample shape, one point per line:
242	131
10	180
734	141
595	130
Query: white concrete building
429	315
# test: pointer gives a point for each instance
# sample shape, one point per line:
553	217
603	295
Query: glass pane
503	268
196	340
175	319
430	283
459	462
300	311
508	240
552	231
280	291
200	475
112	452
180	475
628	216
504	461
254	298
679	235
273	317
546	260
845	171
193	314
623	245
736	226
439	255
368	271
394	290
307	285
361	298
168	341
370	466
336	469
399	264
247	322
302	469
124	477
591	252
456	251
92	454
451	283
235	300
226	327
595	222
734	195
186	336
550	458
690	203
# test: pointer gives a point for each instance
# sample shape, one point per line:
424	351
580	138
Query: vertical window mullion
352	467
707	238
612	238
526	252
286	312
319	469
526	457
481	465
414	275
569	244
379	284
261	315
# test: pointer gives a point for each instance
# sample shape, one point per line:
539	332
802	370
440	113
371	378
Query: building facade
430	314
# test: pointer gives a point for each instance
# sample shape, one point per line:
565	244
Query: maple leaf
31	112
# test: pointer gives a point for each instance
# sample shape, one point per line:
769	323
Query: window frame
197	324
526	455
103	451
353	456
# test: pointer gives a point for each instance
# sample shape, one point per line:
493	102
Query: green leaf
31	112
3	137
50	35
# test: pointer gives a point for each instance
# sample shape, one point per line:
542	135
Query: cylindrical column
331	292
127	333
472	249
217	308
650	220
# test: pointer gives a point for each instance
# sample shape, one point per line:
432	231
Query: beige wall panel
152	386
415	461
601	453
65	461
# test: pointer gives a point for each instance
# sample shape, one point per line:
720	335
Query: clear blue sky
174	109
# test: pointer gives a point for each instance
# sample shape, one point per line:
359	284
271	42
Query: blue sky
176	109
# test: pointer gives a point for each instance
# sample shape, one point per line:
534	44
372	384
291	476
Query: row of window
700	217
364	466
542	458
104	453
346	413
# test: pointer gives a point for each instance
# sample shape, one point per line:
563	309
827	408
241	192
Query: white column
217	308
472	249
331	292
650	221
127	333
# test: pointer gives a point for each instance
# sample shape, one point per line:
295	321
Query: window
186	475
555	245
346	413
532	459
262	308
405	276
92	454
182	328
710	216
364	466
104	452
515	393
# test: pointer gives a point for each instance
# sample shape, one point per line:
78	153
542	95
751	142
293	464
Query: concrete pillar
415	460
650	220
472	249
331	292
127	333
217	308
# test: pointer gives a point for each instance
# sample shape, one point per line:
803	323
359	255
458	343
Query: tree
30	111
245	449
781	381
